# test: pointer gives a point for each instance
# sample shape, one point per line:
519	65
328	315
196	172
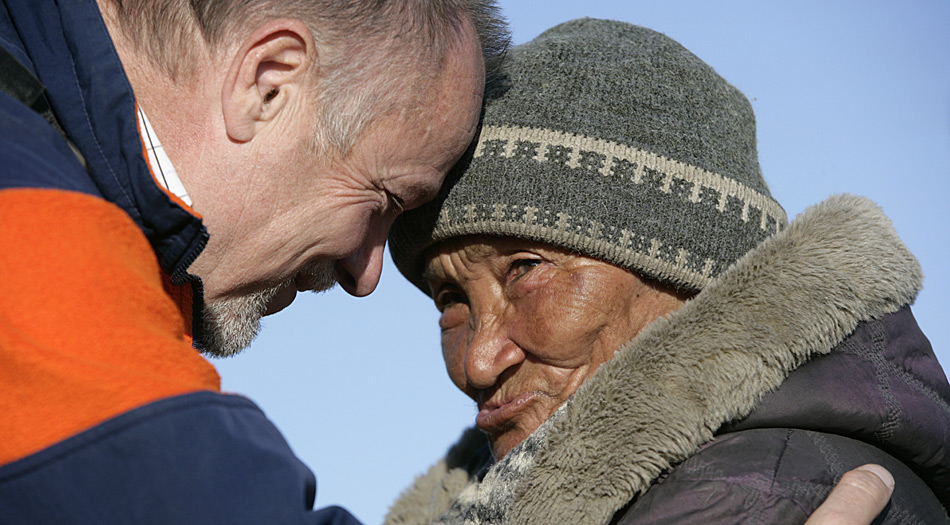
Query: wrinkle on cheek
532	284
588	289
589	301
454	358
566	321
562	301
563	380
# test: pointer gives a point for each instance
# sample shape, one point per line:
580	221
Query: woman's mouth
496	414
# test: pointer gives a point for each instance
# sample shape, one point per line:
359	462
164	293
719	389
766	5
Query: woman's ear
267	72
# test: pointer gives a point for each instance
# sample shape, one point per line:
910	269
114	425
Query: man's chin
282	299
231	324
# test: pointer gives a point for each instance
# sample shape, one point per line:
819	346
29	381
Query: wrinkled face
305	220
524	324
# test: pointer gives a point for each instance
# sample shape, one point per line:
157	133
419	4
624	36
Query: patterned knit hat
613	141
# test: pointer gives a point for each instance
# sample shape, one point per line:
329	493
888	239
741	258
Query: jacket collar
796	296
70	51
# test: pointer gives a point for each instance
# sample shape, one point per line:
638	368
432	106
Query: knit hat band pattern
583	147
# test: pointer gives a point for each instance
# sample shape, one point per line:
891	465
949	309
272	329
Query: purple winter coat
878	397
746	405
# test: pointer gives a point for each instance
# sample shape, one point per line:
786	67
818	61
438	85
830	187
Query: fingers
858	498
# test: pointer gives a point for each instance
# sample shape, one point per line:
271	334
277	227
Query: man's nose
359	273
490	352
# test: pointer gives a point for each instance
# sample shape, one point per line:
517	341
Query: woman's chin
505	443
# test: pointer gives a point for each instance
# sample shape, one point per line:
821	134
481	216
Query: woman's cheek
552	324
525	286
453	353
537	320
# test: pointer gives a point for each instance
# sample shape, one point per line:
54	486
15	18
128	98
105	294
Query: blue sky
850	97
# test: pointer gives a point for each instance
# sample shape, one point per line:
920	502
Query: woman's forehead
462	251
489	245
475	249
470	251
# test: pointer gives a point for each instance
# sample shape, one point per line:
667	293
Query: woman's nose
490	352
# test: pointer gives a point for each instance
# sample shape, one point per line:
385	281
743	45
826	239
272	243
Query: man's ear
266	73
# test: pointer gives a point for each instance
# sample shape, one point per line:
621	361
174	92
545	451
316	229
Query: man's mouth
310	279
282	299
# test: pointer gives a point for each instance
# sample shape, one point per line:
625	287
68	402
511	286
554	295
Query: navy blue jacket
107	412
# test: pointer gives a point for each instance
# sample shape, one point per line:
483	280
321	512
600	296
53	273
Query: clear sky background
850	97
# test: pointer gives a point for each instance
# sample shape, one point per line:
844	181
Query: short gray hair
358	80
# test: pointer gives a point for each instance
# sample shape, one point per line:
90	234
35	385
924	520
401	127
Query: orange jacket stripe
87	328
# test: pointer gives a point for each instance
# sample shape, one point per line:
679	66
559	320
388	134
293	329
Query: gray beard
231	324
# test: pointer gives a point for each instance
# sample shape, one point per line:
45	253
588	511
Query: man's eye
523	266
396	203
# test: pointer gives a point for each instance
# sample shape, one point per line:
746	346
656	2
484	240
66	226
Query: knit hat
612	141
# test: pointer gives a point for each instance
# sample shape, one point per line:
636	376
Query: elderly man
173	171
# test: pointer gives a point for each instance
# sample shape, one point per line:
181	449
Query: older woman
646	338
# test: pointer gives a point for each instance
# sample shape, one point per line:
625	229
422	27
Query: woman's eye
523	266
447	298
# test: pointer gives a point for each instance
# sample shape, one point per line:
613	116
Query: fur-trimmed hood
665	393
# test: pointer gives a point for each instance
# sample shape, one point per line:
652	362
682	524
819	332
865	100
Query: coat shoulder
776	475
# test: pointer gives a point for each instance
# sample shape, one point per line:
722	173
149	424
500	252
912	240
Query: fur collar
797	295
